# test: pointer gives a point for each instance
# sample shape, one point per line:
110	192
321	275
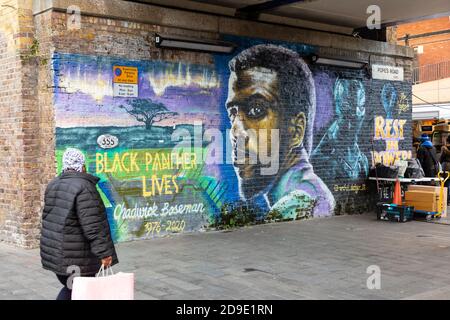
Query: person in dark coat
445	162
427	157
75	234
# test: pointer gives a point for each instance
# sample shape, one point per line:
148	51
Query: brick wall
436	48
10	99
19	200
59	110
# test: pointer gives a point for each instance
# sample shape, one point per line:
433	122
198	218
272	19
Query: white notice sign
383	72
125	90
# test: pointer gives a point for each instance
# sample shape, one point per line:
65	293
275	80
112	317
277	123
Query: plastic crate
393	212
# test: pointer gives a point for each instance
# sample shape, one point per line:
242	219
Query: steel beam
253	11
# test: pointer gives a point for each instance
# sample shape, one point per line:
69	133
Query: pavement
315	259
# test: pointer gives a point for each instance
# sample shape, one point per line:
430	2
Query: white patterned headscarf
73	159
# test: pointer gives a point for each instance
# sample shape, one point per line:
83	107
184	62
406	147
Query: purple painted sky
191	91
324	100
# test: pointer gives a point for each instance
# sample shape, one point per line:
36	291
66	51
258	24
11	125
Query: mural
260	132
272	88
391	130
148	188
346	159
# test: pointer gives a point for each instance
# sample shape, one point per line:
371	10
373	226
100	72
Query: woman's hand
106	262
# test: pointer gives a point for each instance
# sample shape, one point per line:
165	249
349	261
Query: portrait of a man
272	88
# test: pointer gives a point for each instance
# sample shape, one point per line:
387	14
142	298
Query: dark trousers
447	184
66	293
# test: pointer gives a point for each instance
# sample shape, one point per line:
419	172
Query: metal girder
371	34
253	11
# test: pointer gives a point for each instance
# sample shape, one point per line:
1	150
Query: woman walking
75	231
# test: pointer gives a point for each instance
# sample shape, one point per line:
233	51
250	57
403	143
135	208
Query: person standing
75	235
427	157
445	162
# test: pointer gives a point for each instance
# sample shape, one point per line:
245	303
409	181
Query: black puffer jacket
428	159
75	229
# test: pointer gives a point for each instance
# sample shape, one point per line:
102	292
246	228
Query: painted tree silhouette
147	111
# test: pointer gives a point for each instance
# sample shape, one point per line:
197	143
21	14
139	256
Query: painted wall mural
261	132
350	109
391	130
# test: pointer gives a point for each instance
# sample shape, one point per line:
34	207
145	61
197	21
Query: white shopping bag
104	286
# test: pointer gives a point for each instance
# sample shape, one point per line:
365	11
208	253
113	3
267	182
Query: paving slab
314	259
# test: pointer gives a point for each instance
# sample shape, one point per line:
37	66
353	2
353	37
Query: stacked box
422	200
425	198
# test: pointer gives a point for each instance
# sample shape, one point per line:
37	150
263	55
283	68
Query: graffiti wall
259	134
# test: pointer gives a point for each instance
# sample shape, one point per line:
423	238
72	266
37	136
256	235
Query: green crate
393	212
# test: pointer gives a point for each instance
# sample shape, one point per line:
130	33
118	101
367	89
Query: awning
428	112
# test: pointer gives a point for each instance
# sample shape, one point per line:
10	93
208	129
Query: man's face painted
252	105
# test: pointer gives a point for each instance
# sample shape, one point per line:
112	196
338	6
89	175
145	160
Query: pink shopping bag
104	286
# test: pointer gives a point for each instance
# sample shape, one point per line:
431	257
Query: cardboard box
415	187
423	206
422	196
436	190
